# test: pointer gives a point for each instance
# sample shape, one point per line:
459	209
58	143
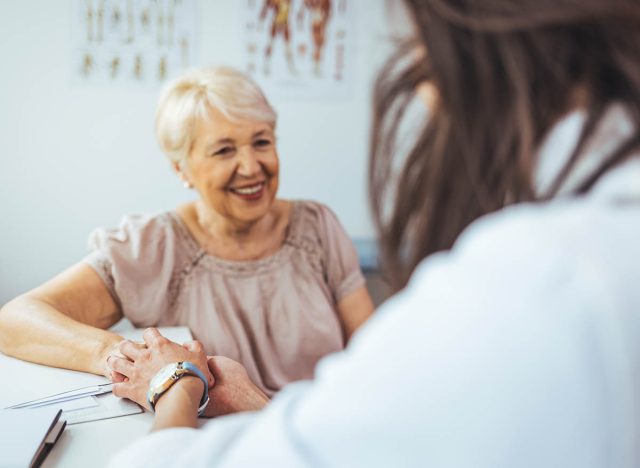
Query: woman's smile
249	192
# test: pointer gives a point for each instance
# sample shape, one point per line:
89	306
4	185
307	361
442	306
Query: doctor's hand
141	362
233	391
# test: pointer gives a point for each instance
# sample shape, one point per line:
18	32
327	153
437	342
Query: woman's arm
62	323
354	309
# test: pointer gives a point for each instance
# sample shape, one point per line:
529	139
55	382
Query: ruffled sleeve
340	259
136	262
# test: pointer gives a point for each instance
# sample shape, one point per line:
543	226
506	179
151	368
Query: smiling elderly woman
271	283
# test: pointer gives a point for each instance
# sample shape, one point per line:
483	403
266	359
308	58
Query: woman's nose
248	164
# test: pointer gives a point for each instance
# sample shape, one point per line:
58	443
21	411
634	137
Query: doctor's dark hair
504	72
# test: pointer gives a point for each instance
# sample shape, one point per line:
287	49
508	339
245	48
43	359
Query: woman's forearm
32	330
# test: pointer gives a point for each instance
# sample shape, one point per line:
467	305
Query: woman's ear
177	167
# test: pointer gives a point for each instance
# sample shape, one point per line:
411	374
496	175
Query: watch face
163	375
168	375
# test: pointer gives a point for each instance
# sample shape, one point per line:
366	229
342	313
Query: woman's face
234	166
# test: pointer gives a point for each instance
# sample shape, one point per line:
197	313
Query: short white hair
189	98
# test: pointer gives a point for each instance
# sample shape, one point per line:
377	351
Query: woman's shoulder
310	216
137	225
311	206
316	229
140	233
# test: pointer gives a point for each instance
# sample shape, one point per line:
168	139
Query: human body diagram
319	12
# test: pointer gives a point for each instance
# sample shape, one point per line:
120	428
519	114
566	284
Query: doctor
515	338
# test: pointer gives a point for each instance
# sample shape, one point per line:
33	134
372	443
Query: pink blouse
277	315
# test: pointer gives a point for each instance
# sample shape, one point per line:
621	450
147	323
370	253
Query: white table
86	444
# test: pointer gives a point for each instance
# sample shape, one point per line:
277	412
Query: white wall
74	157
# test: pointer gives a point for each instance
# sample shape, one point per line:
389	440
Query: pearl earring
186	184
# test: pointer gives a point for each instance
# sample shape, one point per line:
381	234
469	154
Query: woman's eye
263	143
223	151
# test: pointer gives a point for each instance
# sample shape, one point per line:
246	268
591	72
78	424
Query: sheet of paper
39	381
105	407
61	398
77	404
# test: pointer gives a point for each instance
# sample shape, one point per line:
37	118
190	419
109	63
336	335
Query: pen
65	396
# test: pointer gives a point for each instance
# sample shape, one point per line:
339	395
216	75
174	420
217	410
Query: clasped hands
230	389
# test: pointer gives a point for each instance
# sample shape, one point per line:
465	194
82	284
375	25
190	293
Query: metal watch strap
181	369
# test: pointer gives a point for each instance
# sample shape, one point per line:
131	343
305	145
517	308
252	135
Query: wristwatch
170	374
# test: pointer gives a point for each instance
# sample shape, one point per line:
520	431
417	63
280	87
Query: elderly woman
271	283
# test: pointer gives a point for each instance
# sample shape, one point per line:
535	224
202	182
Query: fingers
115	349
214	368
194	346
210	379
126	390
152	337
128	350
120	365
131	350
117	377
120	390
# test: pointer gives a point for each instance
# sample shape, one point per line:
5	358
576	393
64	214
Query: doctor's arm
230	389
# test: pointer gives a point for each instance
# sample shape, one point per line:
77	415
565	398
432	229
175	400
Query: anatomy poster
132	41
300	48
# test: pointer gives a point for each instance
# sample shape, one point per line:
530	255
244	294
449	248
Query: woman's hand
233	391
113	350
142	362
